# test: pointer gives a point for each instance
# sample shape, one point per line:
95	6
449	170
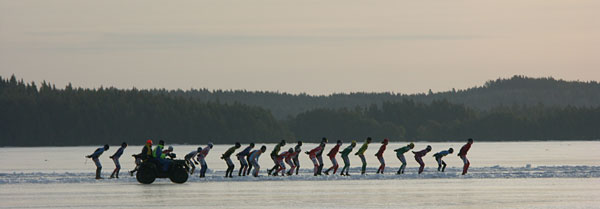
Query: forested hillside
443	121
50	116
517	90
32	116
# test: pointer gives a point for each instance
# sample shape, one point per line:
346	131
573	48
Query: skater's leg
98	168
203	168
382	165
191	165
243	166
421	163
297	163
364	164
281	168
117	167
316	165
138	161
112	175
320	159
292	168
230	167
256	168
249	165
346	164
439	161
444	166
291	164
466	166
403	160
335	165
193	168
330	168
274	158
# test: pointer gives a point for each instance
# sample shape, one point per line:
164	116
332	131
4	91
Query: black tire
178	175
146	174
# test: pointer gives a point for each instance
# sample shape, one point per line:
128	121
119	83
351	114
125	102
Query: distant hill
518	90
521	90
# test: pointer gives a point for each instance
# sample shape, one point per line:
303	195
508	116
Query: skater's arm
380	152
275	151
464	150
228	152
96	153
346	151
118	153
331	152
314	151
402	149
362	149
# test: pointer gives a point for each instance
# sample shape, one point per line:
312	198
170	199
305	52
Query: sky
314	47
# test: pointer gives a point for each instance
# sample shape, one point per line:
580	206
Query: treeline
47	116
443	121
518	90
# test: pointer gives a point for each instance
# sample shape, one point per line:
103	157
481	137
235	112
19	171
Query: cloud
140	41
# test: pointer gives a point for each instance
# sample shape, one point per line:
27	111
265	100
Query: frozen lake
503	175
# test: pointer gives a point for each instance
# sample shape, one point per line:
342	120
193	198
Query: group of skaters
249	157
159	154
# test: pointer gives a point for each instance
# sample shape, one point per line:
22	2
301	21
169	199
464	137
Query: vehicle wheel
146	174
178	175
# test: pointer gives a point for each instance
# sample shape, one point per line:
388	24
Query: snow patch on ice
306	175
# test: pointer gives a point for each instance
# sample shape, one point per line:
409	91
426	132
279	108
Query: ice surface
482	154
306	175
488	160
502	175
376	193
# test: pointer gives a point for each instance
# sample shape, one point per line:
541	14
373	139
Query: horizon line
288	93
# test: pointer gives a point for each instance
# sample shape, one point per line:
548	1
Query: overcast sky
317	47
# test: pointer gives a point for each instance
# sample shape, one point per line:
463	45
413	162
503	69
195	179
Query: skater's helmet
149	141
385	141
161	142
411	145
429	147
353	143
124	144
369	139
106	147
299	143
470	140
282	143
339	141
450	150
251	144
263	148
210	144
237	145
291	150
170	148
324	139
199	149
